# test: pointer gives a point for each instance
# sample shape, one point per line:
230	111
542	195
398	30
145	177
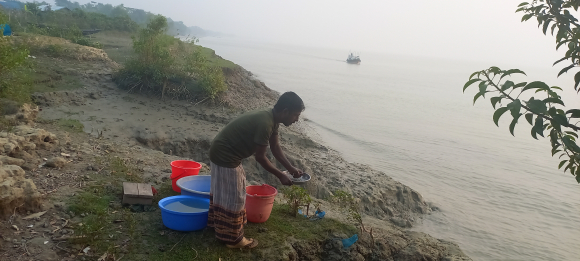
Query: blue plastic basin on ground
198	186
189	213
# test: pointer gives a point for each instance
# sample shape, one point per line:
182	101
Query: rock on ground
26	114
16	190
18	149
56	162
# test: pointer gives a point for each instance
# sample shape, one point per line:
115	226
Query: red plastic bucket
183	168
259	202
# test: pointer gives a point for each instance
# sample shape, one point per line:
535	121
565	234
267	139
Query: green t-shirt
239	139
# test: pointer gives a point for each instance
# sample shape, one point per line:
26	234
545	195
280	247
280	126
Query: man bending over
247	135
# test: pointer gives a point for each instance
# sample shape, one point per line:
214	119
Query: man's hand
296	173
285	180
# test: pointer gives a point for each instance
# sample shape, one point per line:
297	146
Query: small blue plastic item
197	186
184	213
6	31
318	215
347	242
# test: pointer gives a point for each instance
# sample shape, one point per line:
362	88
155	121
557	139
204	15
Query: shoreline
141	127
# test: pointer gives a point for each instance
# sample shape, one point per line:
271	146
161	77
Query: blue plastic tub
184	213
197	186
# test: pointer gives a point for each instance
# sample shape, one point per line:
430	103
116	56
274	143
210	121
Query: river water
501	197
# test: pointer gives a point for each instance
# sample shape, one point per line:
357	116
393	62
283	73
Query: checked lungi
227	203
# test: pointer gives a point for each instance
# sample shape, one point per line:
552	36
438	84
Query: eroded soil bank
132	137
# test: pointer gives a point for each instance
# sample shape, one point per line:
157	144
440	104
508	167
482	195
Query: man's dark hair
290	101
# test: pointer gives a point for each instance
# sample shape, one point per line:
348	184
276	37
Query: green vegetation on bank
13	84
139	233
67	24
164	65
544	110
139	16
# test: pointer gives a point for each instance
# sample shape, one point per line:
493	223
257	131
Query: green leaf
575	113
561	119
526	17
554	100
546	24
513	124
477	95
482	88
521	84
507	85
495	70
536	85
572	133
557	88
495	100
570	164
522	4
534	134
576	80
515	107
553	27
497	114
566	69
473	74
561	59
537	106
512	71
562	42
539	126
561	164
570	144
530	118
470	82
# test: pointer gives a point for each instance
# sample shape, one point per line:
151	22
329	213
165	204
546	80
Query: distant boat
353	59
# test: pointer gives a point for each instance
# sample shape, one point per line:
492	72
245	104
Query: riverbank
138	136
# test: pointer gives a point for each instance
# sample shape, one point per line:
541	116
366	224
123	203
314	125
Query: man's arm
279	155
267	165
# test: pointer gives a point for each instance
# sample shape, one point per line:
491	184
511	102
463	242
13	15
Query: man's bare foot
245	243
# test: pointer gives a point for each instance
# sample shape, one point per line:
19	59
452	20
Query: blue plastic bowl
185	221
197	186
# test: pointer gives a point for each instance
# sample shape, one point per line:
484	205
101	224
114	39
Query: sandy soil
150	133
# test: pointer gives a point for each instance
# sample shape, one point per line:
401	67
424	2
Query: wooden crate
137	193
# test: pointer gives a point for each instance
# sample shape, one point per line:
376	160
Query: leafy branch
541	114
348	203
545	114
297	197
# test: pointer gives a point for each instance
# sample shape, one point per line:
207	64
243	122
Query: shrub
297	197
165	65
13	83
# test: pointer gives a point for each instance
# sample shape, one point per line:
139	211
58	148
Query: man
247	135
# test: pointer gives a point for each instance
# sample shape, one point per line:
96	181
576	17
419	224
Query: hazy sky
487	30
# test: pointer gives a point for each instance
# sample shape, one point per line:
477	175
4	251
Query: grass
53	78
109	227
70	125
216	60
117	45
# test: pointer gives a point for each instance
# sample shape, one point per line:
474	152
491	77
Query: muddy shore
150	133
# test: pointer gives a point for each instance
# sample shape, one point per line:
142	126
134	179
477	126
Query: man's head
288	108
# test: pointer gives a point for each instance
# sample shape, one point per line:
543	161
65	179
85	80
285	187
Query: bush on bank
166	66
